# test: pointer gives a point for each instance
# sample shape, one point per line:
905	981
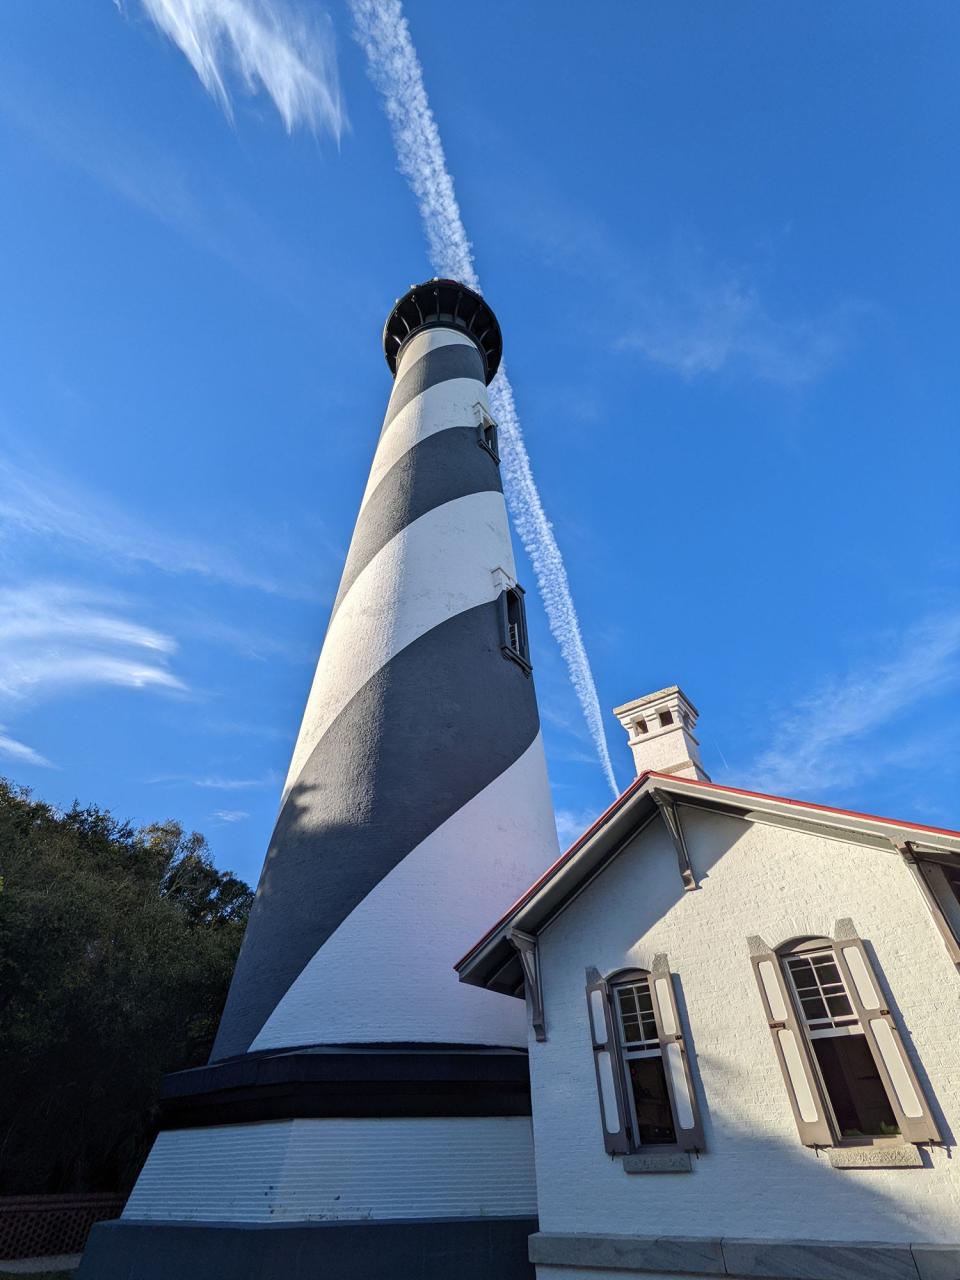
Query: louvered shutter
606	1054
676	1063
896	1071
790	1045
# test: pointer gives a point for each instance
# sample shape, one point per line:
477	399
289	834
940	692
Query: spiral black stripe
455	360
446	465
450	704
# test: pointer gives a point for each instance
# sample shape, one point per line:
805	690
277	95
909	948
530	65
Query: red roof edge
693	782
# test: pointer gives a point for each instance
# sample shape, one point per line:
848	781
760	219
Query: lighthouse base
353	1165
475	1249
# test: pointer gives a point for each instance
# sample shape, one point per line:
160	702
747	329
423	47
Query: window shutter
791	1049
606	1053
676	1061
936	893
896	1071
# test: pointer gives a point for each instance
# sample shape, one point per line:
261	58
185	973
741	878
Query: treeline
116	949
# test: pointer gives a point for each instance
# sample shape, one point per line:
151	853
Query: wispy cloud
259	45
705	325
43	505
11	749
572	823
215	783
146	175
684	308
824	740
54	637
231	815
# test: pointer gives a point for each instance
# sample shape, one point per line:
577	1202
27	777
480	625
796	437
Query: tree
116	950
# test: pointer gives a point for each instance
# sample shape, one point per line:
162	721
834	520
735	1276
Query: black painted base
438	1249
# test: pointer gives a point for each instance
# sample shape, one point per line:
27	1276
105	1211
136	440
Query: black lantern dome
443	302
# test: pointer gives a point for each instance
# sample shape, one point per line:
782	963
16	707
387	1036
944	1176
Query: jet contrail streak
269	46
382	31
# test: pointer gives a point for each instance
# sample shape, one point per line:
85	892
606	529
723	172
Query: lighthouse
364	1114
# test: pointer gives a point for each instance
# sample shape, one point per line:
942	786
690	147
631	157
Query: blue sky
721	243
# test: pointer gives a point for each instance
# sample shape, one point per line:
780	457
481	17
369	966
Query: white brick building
745	1032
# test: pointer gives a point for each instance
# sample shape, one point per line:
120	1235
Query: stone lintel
903	1155
661	1162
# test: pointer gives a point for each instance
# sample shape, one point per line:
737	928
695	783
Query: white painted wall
339	1170
756	1180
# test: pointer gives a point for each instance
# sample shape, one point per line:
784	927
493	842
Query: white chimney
660	733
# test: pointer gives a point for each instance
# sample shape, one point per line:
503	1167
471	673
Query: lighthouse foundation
350	1162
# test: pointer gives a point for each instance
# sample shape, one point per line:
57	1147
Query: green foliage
116	951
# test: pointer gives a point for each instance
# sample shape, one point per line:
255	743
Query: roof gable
493	962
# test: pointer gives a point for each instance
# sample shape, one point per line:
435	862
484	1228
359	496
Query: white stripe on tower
416	807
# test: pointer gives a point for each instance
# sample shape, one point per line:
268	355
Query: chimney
660	733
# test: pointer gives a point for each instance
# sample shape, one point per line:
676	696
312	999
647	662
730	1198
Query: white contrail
382	31
266	45
270	47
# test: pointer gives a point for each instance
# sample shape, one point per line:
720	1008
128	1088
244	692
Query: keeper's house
744	1032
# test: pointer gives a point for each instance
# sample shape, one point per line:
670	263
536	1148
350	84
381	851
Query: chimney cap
659	695
449	304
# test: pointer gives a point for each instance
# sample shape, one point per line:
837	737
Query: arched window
851	1081
514	641
646	1092
848	1075
487	436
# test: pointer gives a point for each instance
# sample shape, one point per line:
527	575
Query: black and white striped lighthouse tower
364	1113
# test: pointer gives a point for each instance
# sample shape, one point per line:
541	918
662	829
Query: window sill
657	1162
518	658
903	1155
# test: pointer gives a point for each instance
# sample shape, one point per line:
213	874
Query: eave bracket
525	946
671	817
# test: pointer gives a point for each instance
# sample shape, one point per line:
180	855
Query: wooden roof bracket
525	946
671	817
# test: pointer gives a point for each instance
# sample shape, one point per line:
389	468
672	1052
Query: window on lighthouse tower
487	437
514	640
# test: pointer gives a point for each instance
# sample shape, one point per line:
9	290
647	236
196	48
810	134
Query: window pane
651	1101
856	1092
827	970
813	1006
823	997
803	974
638	1025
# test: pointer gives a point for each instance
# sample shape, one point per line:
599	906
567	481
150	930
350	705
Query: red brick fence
38	1226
